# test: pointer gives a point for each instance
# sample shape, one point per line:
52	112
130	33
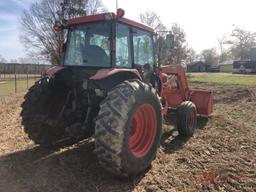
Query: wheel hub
143	130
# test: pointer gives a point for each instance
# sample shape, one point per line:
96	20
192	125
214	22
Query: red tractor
110	87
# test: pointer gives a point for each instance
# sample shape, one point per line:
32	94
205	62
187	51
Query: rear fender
109	78
104	73
51	72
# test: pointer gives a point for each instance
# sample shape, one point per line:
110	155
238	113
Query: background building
226	66
197	66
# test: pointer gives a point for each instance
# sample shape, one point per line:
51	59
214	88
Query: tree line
41	42
11	68
236	45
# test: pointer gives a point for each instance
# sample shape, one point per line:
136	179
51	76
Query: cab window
123	47
89	45
102	42
143	48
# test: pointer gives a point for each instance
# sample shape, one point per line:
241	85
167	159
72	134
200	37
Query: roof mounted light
120	13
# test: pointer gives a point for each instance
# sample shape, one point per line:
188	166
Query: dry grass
7	87
220	157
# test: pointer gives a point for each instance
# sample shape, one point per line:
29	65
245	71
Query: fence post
27	76
35	72
15	78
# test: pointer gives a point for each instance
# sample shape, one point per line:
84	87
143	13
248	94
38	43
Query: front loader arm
175	90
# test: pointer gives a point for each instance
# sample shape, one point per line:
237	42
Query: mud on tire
128	128
37	113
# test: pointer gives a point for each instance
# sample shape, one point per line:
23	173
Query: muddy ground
220	157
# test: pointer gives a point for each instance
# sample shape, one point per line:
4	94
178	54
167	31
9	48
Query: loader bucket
203	100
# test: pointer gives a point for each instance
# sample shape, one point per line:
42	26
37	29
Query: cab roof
105	17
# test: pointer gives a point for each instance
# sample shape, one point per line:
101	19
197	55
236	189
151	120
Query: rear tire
38	110
128	128
186	119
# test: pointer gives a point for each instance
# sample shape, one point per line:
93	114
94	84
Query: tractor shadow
171	141
61	170
74	168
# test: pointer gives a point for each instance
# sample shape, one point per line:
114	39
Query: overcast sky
204	21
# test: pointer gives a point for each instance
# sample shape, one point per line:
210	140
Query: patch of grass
8	87
223	79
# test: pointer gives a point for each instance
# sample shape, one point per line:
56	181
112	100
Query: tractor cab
109	41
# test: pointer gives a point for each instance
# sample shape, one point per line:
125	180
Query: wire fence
16	78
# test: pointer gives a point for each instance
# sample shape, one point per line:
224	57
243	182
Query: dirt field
220	157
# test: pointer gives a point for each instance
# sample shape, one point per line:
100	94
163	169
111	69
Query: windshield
89	45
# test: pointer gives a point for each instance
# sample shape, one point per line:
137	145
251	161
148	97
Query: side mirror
60	25
169	40
57	27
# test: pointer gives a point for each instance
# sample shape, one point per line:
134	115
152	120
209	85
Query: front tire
186	119
128	128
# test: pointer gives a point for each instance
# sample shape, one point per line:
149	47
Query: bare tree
151	19
37	22
178	53
241	42
225	52
95	6
180	48
192	56
165	55
210	56
221	43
